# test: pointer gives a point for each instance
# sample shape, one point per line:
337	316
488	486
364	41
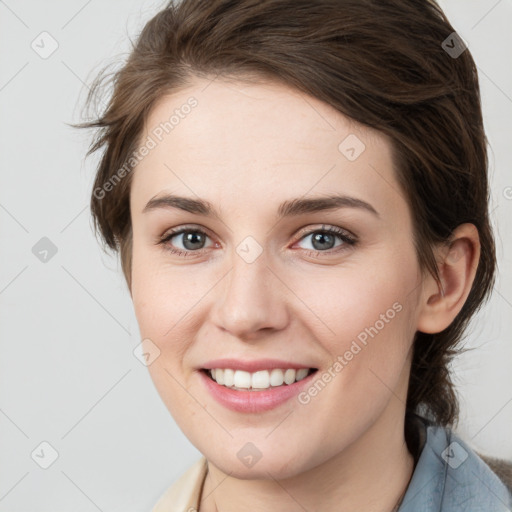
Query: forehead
247	145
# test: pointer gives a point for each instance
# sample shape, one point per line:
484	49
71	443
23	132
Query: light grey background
67	328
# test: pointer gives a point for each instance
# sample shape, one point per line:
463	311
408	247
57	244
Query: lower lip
254	401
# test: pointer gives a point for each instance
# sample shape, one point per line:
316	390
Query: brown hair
379	62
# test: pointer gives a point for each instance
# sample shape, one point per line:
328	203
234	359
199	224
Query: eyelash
348	240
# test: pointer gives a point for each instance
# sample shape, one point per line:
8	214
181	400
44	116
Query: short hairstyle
386	64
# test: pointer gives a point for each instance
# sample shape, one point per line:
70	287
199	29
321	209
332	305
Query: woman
240	138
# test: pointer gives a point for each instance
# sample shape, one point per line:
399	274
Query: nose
251	299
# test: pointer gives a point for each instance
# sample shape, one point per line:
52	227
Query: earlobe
457	265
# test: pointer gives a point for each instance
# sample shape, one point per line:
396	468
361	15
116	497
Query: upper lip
252	365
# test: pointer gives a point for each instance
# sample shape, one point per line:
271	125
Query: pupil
321	237
192	238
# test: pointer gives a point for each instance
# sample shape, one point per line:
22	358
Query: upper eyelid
326	227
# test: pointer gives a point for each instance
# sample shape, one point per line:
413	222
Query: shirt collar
450	476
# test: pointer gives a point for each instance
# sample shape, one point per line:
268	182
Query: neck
372	474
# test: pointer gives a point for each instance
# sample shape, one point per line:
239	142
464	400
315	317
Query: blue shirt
450	476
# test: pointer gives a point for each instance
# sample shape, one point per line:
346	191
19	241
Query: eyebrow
299	206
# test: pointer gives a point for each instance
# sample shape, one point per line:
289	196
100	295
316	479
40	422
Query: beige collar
185	493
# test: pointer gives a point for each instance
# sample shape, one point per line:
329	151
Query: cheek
163	299
364	320
368	355
161	294
168	304
357	302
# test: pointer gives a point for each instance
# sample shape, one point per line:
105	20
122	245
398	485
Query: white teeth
260	380
263	379
241	380
276	377
229	377
289	376
301	374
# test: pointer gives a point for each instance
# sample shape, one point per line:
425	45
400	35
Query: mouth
255	392
262	380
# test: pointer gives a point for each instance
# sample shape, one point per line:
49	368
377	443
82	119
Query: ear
457	263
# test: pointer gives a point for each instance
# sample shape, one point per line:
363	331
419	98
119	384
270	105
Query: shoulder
501	468
451	476
470	477
184	494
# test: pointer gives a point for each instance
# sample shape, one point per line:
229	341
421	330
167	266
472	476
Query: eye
191	239
324	240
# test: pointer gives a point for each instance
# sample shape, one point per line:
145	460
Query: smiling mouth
262	380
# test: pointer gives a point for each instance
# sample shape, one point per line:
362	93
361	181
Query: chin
275	464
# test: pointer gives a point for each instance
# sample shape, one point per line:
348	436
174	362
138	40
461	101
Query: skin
245	149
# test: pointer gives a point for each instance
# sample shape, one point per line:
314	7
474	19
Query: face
291	249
